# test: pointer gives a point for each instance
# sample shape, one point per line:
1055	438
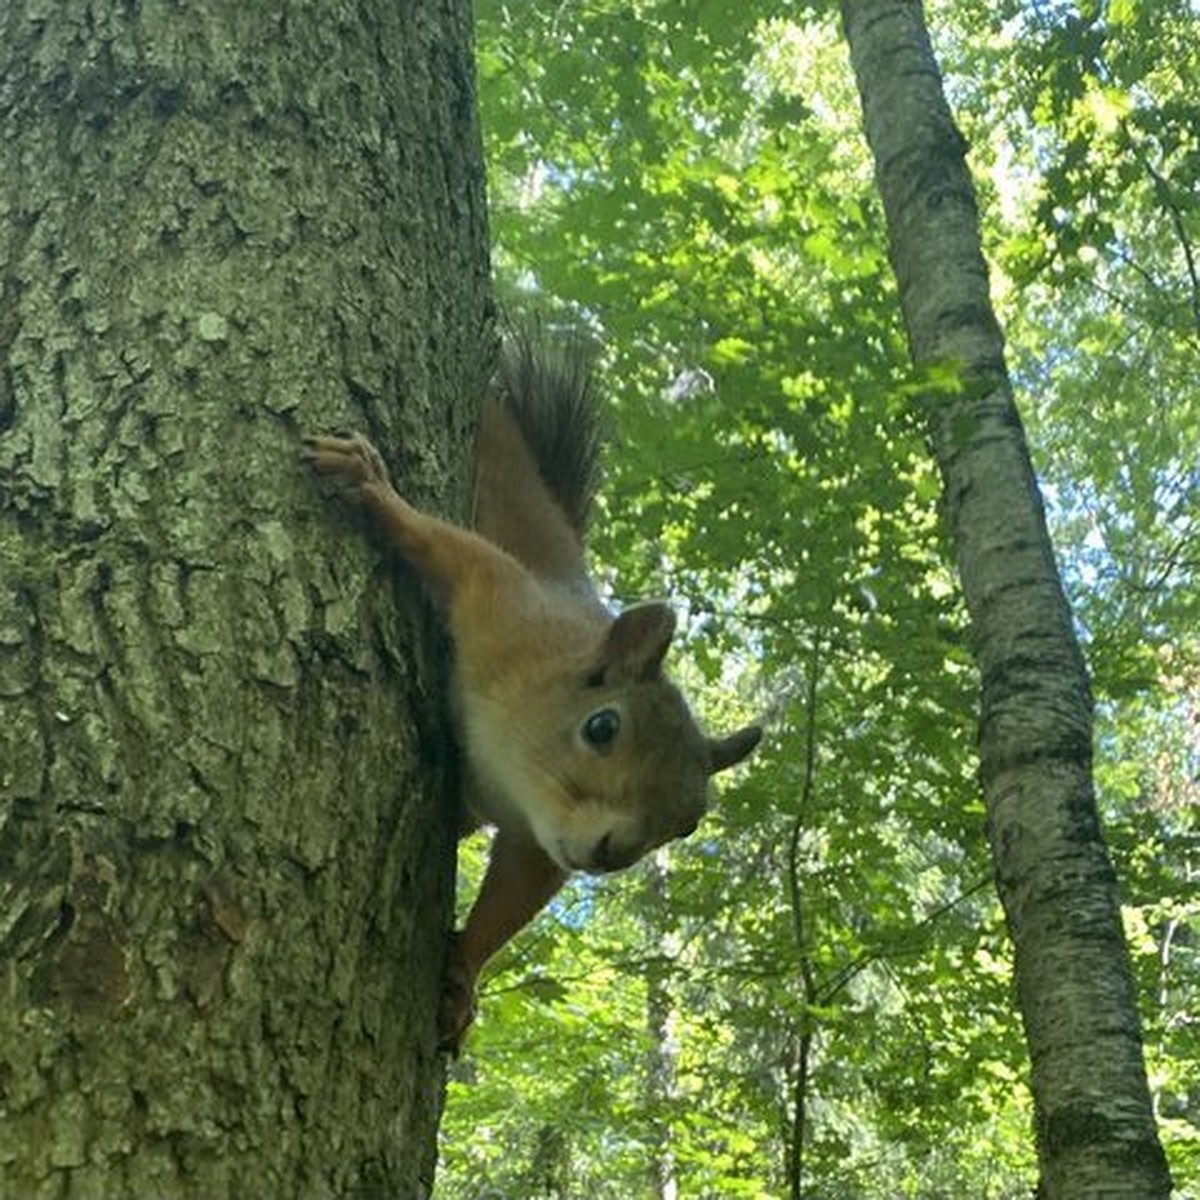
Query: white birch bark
1095	1132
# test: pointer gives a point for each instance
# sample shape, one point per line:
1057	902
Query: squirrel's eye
601	728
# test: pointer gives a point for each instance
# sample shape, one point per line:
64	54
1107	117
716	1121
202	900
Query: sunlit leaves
688	181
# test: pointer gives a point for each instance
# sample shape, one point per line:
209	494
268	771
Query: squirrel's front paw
353	460
457	1009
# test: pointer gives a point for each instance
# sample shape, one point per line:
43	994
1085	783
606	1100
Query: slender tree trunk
662	1058
225	858
804	1036
1095	1132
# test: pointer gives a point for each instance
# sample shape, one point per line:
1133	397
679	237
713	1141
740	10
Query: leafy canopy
823	965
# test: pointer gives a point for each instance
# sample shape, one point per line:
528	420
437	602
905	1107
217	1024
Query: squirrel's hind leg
519	882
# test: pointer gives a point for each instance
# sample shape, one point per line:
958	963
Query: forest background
823	974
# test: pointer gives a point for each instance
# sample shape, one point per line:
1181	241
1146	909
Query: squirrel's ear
729	751
636	644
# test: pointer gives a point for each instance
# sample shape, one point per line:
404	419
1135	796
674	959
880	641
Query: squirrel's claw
351	459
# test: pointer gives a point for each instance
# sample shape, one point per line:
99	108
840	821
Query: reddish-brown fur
578	748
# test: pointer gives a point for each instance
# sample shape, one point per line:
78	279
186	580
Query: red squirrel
578	748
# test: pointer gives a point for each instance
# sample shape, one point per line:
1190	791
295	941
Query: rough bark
226	859
1095	1132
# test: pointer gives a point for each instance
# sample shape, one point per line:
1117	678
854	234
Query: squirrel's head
614	764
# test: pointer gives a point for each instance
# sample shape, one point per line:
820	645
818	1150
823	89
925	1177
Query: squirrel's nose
609	855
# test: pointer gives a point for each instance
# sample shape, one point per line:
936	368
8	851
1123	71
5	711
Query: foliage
688	181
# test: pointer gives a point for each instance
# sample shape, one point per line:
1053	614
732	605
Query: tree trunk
661	1068
225	846
1095	1132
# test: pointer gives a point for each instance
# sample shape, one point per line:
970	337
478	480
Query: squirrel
578	749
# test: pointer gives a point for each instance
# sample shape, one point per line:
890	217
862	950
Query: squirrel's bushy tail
546	383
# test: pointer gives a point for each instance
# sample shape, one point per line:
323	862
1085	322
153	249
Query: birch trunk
226	858
1095	1132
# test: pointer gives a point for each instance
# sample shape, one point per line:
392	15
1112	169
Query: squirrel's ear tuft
729	751
636	644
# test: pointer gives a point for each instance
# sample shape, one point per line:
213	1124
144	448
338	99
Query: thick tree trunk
1095	1132
225	846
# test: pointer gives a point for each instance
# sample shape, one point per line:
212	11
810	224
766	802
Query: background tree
1095	1127
226	852
1100	254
